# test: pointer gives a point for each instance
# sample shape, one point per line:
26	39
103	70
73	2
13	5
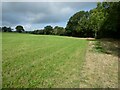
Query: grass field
41	60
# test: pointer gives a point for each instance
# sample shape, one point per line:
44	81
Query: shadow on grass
107	46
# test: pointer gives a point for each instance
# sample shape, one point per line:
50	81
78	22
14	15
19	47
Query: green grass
41	60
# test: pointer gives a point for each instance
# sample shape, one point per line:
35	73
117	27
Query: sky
37	15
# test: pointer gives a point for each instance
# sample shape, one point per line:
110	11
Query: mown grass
41	60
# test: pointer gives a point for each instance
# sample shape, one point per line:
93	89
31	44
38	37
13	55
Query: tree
78	25
96	20
6	29
71	28
58	30
38	32
0	29
48	30
102	21
19	28
111	25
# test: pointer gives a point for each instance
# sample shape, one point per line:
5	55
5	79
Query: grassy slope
41	61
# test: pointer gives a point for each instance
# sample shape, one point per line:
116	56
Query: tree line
48	30
100	22
18	28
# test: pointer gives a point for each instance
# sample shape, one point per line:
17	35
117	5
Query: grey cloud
39	12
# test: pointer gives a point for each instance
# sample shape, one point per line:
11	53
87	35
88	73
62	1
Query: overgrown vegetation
98	47
107	46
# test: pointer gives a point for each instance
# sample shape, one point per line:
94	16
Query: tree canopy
19	28
6	29
102	21
48	29
58	30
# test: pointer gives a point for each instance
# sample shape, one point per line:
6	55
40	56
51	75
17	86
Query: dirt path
100	70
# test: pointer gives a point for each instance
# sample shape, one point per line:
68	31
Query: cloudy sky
36	15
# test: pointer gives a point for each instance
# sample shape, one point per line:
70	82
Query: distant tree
0	29
6	29
41	31
38	32
19	28
58	30
9	29
48	30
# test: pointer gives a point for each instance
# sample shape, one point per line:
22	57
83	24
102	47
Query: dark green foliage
110	27
38	32
19	28
98	47
6	29
102	21
58	30
72	28
0	29
48	30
